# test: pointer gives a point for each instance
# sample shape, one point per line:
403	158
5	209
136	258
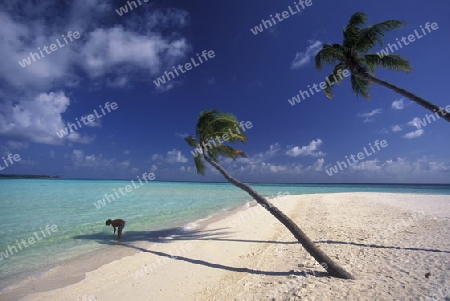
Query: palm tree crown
352	55
213	126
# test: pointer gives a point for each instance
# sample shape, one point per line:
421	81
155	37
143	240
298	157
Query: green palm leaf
356	20
338	69
329	55
360	86
392	62
369	36
192	141
212	127
199	165
213	124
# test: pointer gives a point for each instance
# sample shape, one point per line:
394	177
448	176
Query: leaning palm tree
352	55
213	125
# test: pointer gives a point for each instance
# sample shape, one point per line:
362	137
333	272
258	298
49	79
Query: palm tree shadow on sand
175	234
380	247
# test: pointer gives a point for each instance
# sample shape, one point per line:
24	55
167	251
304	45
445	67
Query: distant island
28	176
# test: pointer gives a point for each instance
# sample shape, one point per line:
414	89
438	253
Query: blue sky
117	58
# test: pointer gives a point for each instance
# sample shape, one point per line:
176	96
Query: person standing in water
119	223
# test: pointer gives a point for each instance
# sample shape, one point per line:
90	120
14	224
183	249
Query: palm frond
351	31
212	127
192	141
329	54
213	153
204	118
356	20
391	61
338	69
369	36
360	86
213	124
199	165
229	151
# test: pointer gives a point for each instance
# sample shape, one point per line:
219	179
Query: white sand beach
397	246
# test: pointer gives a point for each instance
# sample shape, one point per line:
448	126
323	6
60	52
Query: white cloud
105	51
318	165
371	114
126	152
414	134
181	135
398	104
258	163
368	116
157	157
401	169
414	121
168	86
18	40
4	150
303	58
368	165
95	124
123	165
396	128
438	166
253	168
418	123
118	82
398	169
78	138
262	157
175	156
109	48
79	159
183	168
278	168
308	150
17	145
171	17
35	120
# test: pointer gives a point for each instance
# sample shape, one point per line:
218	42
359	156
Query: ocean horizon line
225	182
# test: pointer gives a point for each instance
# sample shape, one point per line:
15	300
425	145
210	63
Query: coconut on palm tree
353	55
213	125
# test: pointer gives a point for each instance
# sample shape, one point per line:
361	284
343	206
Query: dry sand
389	242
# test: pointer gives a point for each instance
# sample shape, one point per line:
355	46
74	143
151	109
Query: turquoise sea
28	205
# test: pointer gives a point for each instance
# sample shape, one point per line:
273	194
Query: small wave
190	226
166	237
27	279
195	224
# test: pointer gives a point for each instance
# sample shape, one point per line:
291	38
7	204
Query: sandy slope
389	242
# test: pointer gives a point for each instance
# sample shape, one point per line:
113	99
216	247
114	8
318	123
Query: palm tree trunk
326	262
424	103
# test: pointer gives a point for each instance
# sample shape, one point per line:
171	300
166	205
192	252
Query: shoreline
231	222
54	276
